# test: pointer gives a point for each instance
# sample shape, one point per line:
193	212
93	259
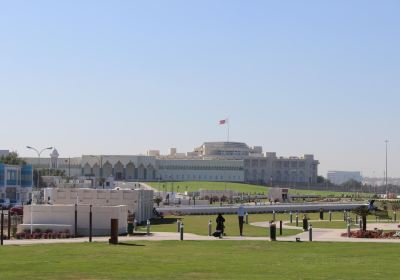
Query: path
333	235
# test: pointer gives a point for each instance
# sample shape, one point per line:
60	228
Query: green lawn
199	225
201	260
327	224
197	185
238	187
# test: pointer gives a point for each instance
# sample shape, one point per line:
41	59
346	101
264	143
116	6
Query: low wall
51	215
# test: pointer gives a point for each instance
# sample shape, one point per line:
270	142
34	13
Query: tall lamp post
37	179
386	173
38	153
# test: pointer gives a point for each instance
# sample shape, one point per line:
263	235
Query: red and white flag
223	121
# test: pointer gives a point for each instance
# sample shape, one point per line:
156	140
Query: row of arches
129	172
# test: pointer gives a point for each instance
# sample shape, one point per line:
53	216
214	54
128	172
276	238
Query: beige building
212	161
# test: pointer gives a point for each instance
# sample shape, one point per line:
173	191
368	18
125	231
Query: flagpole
228	128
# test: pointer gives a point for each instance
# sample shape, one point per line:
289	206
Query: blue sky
120	77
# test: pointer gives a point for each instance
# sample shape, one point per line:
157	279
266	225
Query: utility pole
386	173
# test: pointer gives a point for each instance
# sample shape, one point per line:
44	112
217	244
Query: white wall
49	215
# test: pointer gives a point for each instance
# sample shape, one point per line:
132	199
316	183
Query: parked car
17	210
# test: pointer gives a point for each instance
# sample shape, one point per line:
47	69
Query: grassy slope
202	260
239	187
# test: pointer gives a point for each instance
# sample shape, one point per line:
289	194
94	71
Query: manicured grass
200	185
238	187
202	260
327	224
198	224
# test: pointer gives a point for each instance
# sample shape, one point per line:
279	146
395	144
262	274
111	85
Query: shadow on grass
130	244
164	221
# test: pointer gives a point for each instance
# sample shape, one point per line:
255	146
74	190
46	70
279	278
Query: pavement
319	235
333	235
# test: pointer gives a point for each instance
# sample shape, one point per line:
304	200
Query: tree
12	159
352	185
158	200
363	212
320	179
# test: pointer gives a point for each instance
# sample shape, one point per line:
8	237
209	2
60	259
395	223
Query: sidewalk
333	235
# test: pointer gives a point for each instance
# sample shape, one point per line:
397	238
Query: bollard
247	218
330	216
394	216
209	227
114	232
273	215
291	217
134	225
321	214
272	231
178	222
148	227
280	227
348	230
344	215
181	231
305	224
2	226
310	233
90	223
297	220
9	225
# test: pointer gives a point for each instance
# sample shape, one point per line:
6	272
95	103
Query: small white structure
62	217
139	202
279	195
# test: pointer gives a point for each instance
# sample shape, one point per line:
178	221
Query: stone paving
319	235
334	235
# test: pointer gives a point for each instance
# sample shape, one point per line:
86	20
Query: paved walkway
319	235
156	236
334	235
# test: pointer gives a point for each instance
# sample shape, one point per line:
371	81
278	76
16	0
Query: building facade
16	183
212	161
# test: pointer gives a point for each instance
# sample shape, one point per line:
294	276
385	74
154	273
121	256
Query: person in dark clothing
220	225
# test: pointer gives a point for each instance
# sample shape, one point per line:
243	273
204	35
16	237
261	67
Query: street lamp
386	173
38	153
37	180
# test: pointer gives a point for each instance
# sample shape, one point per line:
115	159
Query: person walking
240	214
220	225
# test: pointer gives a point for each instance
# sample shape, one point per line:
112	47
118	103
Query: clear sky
121	77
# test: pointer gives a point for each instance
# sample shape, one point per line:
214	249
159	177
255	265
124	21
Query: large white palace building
212	161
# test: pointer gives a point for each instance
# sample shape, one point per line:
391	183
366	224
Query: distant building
16	183
212	161
340	177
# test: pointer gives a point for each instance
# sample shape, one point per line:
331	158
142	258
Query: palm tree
363	212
